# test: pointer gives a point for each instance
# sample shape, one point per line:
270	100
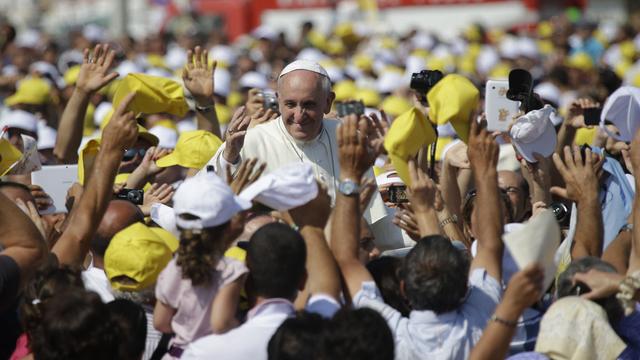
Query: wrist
80	91
230	157
509	312
206	101
351	176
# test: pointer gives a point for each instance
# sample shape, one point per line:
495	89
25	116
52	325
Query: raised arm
94	74
355	159
634	259
422	195
20	239
311	219
483	156
525	288
198	79
121	132
582	187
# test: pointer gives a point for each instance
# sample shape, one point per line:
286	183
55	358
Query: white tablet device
56	180
498	109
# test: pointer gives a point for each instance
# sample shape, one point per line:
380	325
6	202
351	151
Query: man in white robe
302	134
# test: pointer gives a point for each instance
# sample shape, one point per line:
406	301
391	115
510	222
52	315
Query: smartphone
592	116
398	194
134	196
498	109
349	107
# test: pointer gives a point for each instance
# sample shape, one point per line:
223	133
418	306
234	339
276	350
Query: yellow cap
453	99
628	49
363	62
138	253
586	135
166	123
500	71
473	33
88	126
545	46
224	113
171	241
395	105
621	69
345	90
407	134
581	61
436	63
237	253
156	60
344	30
71	76
193	150
9	155
122	179
466	64
234	100
86	158
545	29
369	97
335	47
30	91
317	39
153	95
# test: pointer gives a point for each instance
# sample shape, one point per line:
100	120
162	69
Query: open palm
94	71
198	75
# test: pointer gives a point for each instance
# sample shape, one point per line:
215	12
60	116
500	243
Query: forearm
345	228
324	276
450	190
496	337
449	225
70	127
208	120
540	192
589	228
634	259
566	136
427	220
490	215
73	244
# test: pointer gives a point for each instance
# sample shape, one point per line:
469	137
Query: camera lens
560	211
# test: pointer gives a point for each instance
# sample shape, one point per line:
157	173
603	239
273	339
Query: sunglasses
130	154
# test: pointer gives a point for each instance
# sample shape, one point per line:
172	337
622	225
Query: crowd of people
225	205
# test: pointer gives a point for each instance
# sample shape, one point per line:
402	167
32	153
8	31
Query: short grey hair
325	82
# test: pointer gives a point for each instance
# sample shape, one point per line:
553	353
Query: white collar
298	143
273	306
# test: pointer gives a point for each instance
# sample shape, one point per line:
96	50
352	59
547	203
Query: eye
290	104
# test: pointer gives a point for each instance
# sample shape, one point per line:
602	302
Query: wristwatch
349	187
205	108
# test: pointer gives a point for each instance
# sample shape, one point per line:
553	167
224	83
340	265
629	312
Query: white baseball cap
46	136
209	199
285	188
534	133
308	65
389	81
222	82
548	91
622	108
20	119
253	79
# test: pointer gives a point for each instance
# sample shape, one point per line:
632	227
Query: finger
363	127
413	172
109	59
33	211
164	190
558	191
246	121
228	173
588	158
97	52
109	78
198	57
85	56
189	60
237	116
22	206
258	172
122	108
564	172
205	58
103	55
167	197
568	158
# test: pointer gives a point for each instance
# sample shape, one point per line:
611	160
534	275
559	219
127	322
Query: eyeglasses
512	190
130	154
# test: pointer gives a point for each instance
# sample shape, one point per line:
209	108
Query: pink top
193	304
22	348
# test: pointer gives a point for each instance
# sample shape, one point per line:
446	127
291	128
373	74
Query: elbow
222	326
162	325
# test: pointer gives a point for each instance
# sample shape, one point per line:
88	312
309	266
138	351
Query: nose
299	113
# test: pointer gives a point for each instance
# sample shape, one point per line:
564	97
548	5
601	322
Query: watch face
348	187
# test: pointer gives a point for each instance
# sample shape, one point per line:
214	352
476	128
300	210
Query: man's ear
403	291
330	98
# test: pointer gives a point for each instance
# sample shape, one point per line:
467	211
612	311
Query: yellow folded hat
137	253
345	90
30	91
9	155
453	99
395	105
407	134
193	150
224	113
86	158
71	76
153	95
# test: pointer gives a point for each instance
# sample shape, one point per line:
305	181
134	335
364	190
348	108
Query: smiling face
303	101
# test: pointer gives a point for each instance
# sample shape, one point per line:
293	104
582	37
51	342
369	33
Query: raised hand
378	129
315	213
423	192
234	138
245	175
576	112
255	101
94	71
525	288
482	150
122	130
579	175
355	154
405	219
262	116
602	284
43	200
198	76
157	194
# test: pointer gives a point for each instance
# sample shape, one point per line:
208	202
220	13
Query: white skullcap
304	65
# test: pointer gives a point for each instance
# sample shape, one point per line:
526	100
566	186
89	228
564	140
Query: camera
269	101
521	89
345	108
561	212
398	194
134	196
424	80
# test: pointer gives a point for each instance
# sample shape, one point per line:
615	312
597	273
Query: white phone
56	180
498	109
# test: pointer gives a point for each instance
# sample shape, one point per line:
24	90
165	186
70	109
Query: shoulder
204	348
231	269
331	125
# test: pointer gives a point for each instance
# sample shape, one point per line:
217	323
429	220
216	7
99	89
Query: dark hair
132	322
199	253
76	325
566	287
435	274
276	258
298	338
470	201
47	282
360	334
386	274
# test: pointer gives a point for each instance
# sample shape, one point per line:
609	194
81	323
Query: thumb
558	191
109	78
122	108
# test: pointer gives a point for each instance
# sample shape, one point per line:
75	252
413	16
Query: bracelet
205	108
627	291
450	220
495	318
